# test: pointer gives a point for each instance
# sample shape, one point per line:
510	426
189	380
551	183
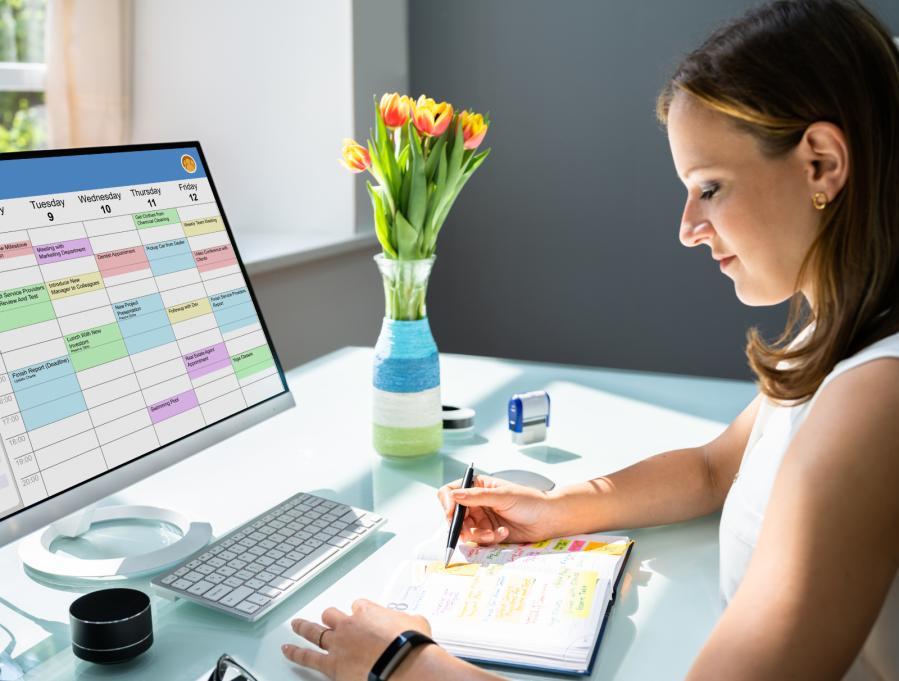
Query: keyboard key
199	588
320	523
313	501
264	560
237	564
259	599
292	513
309	563
275	569
346	535
285	547
276	554
296	555
225	571
205	569
270	592
236	596
194	564
257	551
278	537
284	532
217	593
303	497
281	584
248	608
265	576
295	541
285	563
365	522
268	517
340	509
314	543
328	504
306	550
267	530
193	577
216	562
304	535
215	578
352	516
248	542
216	550
180	572
243	574
296	526
268	544
255	584
284	518
227	544
182	584
226	556
338	541
255	567
302	508
374	518
234	582
328	518
322	537
276	524
340	525
169	579
257	536
258	524
204	557
312	515
330	531
237	549
237	537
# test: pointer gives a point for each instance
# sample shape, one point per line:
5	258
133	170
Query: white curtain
88	72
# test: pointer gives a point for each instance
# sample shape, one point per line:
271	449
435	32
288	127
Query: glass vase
407	414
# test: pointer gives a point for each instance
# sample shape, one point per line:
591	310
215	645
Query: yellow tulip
431	118
473	129
395	110
355	157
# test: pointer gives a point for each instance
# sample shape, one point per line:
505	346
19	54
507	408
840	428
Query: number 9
50	216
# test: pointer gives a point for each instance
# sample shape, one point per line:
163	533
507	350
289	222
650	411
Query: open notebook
541	605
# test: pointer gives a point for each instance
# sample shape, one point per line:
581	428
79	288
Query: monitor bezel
31	518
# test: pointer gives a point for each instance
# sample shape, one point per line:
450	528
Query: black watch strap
396	652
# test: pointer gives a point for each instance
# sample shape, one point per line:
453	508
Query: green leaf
455	160
434	203
403	160
450	198
434	155
382	229
378	171
418	192
407	238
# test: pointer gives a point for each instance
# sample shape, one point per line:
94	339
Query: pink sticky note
576	545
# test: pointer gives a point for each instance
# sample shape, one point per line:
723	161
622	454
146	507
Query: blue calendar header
22	177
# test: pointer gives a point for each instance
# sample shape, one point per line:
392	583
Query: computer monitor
130	337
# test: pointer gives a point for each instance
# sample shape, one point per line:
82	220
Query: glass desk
601	421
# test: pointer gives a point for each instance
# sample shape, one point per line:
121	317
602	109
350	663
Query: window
23	74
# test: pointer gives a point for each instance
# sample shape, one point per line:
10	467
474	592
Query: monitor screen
126	318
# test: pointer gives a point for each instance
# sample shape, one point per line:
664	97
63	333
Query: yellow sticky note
512	596
579	588
477	597
561	545
608	549
542	544
464	569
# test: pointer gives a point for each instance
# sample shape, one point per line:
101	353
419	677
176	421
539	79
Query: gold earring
820	200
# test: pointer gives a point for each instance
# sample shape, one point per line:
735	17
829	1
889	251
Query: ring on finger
320	634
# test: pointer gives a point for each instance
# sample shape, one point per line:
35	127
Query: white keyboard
250	570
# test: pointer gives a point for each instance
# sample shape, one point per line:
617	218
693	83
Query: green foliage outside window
22	29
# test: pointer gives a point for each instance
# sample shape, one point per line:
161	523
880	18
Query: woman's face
754	213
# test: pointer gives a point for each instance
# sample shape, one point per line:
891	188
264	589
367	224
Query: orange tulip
355	157
473	129
431	118
395	110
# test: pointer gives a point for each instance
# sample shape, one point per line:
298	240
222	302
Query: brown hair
774	72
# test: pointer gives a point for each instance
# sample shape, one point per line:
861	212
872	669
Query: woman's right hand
500	511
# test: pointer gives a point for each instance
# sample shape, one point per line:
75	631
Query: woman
784	127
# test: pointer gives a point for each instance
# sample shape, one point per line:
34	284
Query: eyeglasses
227	669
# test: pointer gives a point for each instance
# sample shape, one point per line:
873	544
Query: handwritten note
462	569
513	593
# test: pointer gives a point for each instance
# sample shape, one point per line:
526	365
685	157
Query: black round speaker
111	626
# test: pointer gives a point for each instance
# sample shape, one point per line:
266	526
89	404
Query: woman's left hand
353	642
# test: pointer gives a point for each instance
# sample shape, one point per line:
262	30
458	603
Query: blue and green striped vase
407	414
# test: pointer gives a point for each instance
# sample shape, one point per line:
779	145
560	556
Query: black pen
458	517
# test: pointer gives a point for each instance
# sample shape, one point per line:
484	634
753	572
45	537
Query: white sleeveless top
747	501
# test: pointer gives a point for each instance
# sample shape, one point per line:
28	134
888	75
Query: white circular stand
34	550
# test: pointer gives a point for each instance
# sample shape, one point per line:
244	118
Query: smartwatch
396	652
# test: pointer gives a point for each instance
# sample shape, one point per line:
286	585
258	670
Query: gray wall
564	247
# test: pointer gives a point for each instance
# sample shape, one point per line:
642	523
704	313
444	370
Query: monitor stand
34	550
